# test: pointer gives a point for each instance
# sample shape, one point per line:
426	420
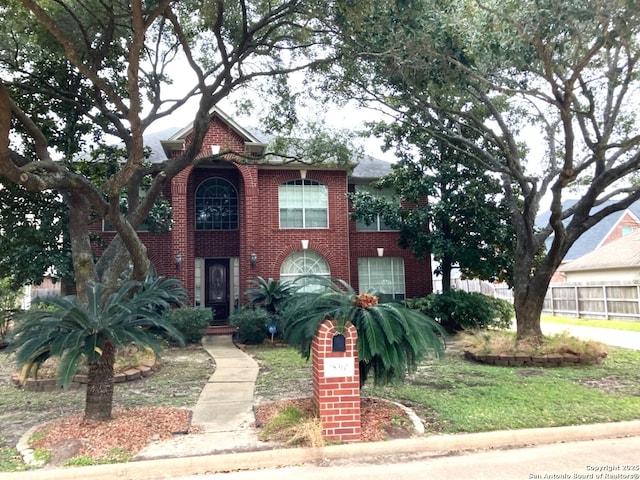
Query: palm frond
392	339
68	367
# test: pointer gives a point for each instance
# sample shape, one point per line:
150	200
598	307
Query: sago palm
68	329
269	294
392	339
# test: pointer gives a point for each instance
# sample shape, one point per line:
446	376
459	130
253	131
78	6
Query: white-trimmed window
303	204
304	262
382	275
216	205
377	224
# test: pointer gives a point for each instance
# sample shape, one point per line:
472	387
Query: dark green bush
190	321
269	294
458	310
251	325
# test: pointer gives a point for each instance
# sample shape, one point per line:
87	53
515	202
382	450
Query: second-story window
375	224
303	204
216	205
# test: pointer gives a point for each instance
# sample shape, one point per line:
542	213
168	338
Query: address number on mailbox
339	367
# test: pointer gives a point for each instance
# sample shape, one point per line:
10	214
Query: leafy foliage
269	294
541	94
190	322
458	310
392	339
456	212
8	304
35	238
251	324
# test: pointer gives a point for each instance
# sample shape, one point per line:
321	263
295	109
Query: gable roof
621	253
252	142
592	238
162	142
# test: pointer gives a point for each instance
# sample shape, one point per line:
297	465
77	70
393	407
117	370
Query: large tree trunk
528	307
99	398
530	289
83	266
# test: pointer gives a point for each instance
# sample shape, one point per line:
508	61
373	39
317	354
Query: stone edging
528	360
50	384
415	419
25	450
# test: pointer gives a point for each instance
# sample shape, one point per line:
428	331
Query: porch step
219	330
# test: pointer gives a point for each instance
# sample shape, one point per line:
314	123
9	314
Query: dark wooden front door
217	289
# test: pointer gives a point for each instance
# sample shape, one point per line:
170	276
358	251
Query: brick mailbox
336	381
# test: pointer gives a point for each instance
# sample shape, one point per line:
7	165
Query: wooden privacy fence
498	290
611	301
615	301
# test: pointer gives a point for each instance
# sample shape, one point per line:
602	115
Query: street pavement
598	459
608	336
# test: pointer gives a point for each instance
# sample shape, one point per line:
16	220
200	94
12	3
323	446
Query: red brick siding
337	399
259	229
418	281
274	244
627	220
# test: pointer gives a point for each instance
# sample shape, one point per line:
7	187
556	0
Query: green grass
454	395
115	455
178	384
592	322
283	373
10	460
289	417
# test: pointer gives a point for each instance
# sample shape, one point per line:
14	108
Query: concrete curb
434	445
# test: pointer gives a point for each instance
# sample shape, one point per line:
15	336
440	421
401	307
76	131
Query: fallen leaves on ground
380	419
129	430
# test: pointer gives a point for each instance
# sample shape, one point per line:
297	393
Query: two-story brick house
234	221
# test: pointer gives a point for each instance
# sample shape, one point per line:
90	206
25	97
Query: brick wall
417	273
626	220
259	231
337	398
273	244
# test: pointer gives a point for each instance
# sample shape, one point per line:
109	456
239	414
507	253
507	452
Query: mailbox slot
338	343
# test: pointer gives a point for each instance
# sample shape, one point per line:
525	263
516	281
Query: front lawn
454	395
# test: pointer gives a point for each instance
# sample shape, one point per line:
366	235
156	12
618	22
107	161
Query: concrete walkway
224	411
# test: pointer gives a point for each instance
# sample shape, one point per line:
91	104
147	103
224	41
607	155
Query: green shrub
190	321
458	310
269	294
251	325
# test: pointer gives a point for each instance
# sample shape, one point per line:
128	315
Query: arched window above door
216	205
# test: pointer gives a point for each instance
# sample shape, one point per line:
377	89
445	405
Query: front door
217	288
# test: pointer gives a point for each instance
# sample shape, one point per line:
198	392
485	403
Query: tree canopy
75	73
454	211
543	94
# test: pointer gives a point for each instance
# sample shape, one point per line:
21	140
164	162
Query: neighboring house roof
595	236
621	253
